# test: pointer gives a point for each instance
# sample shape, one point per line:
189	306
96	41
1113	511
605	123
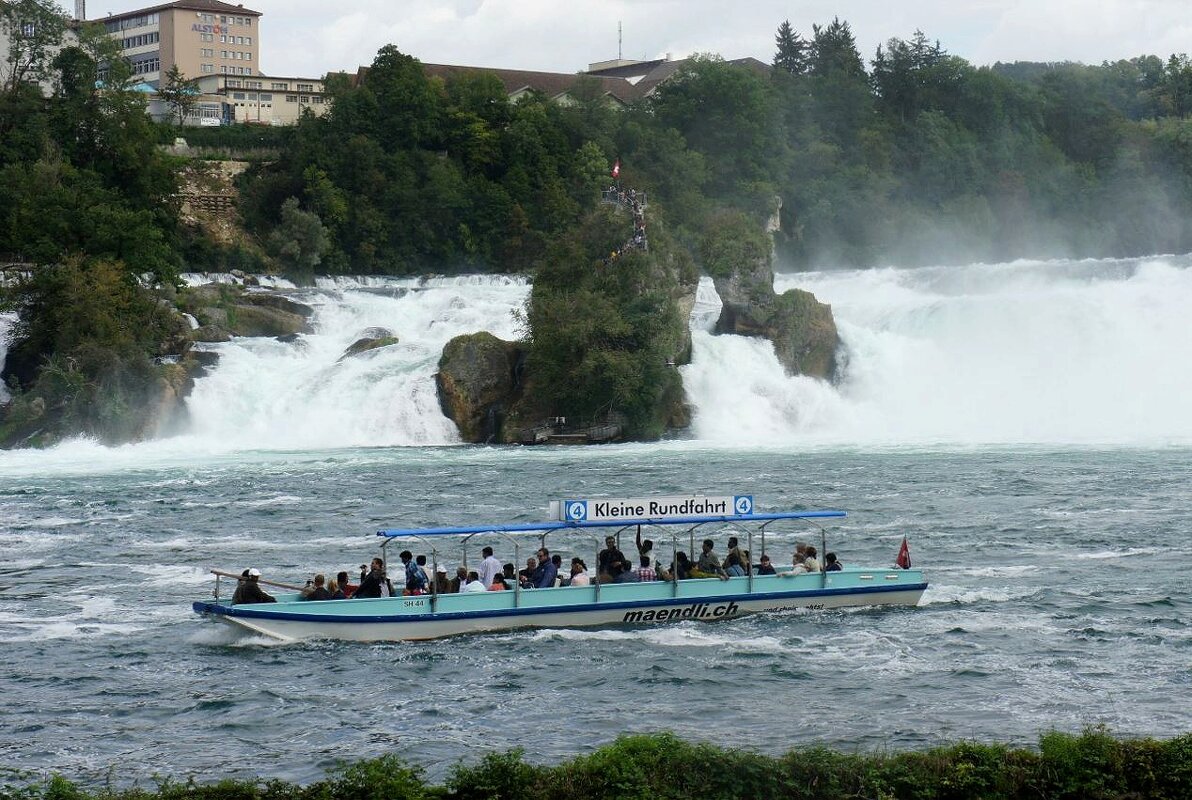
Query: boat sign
613	509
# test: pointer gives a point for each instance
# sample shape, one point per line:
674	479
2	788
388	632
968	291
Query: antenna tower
618	38
81	10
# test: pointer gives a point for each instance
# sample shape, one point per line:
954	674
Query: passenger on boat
831	564
525	577
317	591
460	580
645	570
474	583
416	580
734	568
709	565
336	592
508	572
347	588
543	576
489	568
812	561
626	574
442	585
798	563
608	561
742	556
680	568
765	567
374	583
498	584
557	560
645	547
250	591
579	573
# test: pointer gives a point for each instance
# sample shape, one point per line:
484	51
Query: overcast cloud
312	37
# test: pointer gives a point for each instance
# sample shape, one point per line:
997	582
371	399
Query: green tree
179	92
34	30
299	242
793	51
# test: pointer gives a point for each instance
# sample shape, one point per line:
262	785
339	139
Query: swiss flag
617	168
904	555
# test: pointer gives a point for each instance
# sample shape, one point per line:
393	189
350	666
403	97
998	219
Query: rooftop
214	6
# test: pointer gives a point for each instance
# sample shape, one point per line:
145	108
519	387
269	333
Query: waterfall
266	394
1081	352
7	320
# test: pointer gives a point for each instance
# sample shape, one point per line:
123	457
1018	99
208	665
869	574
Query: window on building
206	69
255	85
223	53
208	37
237	95
248	56
207	17
306	87
248	22
291	98
266	98
235	83
317	99
279	86
248	40
305	100
223	38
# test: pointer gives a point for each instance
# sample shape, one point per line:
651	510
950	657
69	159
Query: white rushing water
1063	352
6	323
266	394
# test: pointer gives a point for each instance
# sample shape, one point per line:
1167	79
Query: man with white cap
249	590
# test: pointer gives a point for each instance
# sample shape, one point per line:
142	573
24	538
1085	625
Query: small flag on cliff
904	555
617	168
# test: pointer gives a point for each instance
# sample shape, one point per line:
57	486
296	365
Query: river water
1056	543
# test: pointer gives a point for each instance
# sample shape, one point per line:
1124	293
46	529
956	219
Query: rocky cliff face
476	381
226	310
802	328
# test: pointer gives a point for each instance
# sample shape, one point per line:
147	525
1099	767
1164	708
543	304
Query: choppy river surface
1027	425
1058	599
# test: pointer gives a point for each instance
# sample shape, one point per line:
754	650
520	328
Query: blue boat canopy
533	527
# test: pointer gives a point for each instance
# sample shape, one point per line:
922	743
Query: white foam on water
671	635
937	594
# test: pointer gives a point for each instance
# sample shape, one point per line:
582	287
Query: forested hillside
912	156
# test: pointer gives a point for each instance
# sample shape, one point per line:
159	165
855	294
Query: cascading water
268	394
6	323
1091	352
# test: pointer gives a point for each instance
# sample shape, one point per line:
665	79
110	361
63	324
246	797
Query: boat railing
543	530
240	576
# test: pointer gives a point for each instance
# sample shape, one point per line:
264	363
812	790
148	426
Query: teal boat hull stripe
359	619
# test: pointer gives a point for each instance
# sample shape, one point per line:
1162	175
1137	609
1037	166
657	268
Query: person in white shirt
490	568
474	583
812	561
579	573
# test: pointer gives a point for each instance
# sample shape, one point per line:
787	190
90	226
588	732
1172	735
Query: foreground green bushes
1092	766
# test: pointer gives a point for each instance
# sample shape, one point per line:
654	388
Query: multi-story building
201	37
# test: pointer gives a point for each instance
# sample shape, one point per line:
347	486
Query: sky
312	37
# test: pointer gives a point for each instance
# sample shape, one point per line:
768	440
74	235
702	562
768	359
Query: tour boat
683	521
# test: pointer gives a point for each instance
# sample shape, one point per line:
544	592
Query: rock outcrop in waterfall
739	257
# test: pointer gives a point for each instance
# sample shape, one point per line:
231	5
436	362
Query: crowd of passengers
542	571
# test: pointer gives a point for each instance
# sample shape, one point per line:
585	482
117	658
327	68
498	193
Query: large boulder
367	343
476	379
226	310
801	328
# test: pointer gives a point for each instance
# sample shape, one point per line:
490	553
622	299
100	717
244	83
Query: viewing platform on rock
557	431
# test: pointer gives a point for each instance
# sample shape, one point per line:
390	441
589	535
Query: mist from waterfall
1059	352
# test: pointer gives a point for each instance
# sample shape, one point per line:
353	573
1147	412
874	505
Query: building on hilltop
620	81
200	37
218	46
647	76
